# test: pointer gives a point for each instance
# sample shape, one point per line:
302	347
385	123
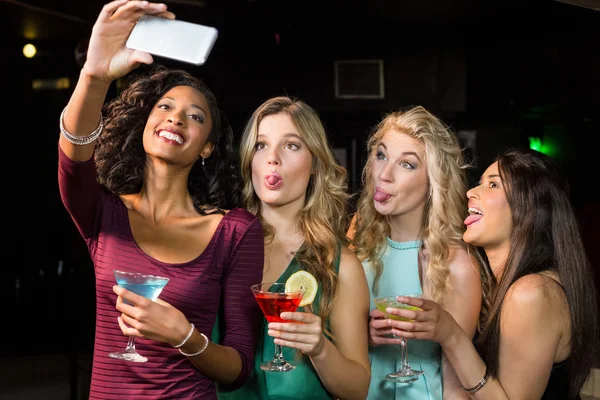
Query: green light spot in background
535	143
548	147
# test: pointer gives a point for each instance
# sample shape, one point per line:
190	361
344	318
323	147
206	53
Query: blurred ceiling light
29	50
51	84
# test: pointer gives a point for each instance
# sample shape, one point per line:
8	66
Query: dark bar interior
504	73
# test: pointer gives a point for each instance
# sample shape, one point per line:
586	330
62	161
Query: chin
383	209
471	238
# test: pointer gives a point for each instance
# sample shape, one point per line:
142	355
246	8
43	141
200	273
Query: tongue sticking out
381	196
471	219
272	180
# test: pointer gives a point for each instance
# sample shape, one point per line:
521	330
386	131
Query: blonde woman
296	188
408	232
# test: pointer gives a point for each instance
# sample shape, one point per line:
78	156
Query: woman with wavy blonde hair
298	190
408	232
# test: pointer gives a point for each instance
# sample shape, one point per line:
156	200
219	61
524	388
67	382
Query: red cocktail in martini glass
273	300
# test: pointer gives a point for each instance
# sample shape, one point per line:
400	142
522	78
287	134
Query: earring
202	161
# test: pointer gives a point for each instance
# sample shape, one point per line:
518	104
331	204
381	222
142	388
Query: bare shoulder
352	281
350	265
461	264
535	301
534	292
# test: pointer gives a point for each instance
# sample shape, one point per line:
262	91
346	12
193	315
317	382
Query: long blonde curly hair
326	196
445	205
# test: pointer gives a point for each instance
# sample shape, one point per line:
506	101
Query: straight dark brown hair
546	237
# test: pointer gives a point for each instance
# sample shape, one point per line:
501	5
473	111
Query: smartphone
172	38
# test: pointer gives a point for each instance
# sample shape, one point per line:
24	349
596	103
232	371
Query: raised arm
107	59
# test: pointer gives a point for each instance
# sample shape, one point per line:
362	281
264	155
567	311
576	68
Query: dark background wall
507	70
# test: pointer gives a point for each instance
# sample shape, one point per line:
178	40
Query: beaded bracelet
186	338
79	140
478	386
199	351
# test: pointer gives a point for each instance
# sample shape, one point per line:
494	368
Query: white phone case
174	39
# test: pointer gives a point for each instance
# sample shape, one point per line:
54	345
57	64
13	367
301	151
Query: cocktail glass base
277	366
404	376
135	357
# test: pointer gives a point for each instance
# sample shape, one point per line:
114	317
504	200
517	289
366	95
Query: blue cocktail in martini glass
145	285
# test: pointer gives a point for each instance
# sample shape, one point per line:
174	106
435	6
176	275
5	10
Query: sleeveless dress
300	383
401	276
558	384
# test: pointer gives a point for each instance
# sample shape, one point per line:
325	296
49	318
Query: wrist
196	345
453	337
93	80
183	336
321	354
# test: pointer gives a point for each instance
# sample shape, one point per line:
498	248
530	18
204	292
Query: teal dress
401	276
300	383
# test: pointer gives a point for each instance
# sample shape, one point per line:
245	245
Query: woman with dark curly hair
154	189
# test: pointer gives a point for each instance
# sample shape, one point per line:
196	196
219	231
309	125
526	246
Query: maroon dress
218	280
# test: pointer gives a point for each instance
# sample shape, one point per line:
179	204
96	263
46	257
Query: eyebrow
192	105
489	177
404	153
286	135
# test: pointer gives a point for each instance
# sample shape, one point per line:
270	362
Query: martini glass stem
404	350
130	345
278	358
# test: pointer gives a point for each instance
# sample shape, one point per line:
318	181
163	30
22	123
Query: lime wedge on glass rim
306	283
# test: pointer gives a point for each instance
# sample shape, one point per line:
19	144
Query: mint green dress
300	383
401	276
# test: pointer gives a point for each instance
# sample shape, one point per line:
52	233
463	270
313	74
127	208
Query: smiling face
399	174
489	223
178	127
282	163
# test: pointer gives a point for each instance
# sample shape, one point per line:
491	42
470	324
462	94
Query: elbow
243	376
361	388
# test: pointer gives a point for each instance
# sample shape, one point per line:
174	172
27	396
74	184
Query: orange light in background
29	50
51	84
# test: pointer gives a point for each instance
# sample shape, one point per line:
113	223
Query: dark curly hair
120	156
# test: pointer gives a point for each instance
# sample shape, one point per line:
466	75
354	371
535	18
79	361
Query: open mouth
170	136
475	215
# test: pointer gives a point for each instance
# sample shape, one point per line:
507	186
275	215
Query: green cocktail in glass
406	373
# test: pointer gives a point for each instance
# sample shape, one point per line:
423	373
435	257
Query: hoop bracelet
79	140
199	351
478	386
186	338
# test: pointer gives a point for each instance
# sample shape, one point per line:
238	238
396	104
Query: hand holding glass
273	300
406	373
148	286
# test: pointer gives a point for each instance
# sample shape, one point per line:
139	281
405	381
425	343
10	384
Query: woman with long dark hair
540	336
